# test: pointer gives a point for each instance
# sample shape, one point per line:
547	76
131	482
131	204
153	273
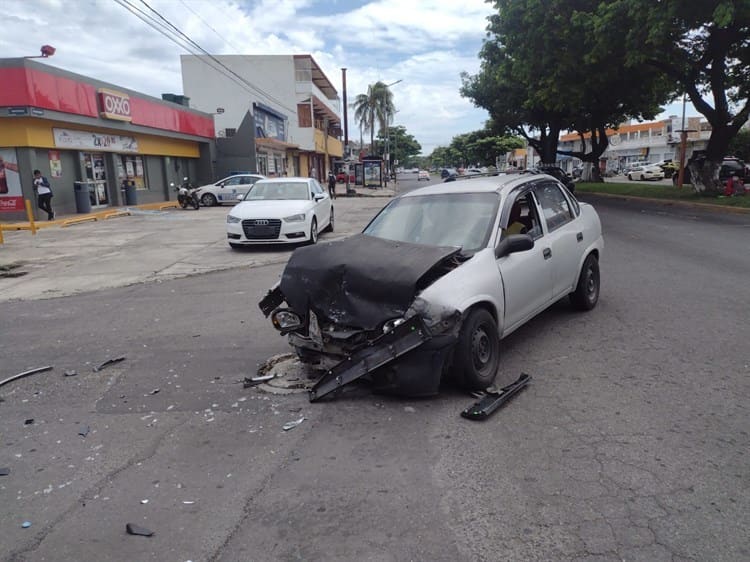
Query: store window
262	162
131	168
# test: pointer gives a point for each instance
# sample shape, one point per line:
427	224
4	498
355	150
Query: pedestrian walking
332	185
43	194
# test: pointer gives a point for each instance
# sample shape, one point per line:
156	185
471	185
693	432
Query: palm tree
374	108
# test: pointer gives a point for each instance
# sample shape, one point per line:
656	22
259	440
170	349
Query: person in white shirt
44	194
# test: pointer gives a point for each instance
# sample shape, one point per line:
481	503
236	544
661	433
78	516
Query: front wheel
183	204
477	353
313	232
630	177
208	200
330	226
586	294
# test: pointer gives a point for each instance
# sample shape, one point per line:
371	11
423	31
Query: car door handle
579	236
547	253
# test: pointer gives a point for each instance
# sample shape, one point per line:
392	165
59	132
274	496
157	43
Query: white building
295	107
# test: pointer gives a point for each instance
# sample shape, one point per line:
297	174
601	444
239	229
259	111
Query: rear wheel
586	294
477	353
643	178
208	200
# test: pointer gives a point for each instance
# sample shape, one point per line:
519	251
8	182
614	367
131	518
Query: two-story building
293	107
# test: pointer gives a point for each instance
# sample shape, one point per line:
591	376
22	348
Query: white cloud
420	42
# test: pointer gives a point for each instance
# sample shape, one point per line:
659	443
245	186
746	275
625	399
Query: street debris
254	381
26	374
4	471
109	362
188	502
495	398
292	424
7	270
28	421
134	529
71	373
155	391
144	502
26	524
84	431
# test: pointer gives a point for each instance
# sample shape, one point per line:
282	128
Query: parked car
472	172
646	172
279	211
730	166
628	167
341	177
448	173
227	190
423	175
439	274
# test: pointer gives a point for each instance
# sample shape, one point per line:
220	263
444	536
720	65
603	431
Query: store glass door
96	175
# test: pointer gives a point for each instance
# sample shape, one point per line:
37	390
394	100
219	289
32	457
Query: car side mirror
319	197
514	243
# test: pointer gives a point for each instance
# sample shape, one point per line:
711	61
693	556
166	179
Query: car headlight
231	219
295	218
285	320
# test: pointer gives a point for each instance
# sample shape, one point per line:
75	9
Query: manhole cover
290	375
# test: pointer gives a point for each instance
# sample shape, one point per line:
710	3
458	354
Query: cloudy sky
424	43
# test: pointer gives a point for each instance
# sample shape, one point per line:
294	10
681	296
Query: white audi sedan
227	190
280	211
436	280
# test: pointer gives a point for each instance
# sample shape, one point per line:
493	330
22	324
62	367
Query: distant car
341	177
423	175
472	171
462	265
227	190
281	210
730	166
646	172
446	173
558	173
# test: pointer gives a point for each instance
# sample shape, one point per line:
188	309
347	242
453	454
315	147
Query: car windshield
278	191
451	219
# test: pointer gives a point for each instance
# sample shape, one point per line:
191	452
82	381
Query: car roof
285	179
501	184
243	176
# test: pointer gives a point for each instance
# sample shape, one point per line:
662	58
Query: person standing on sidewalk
332	185
44	194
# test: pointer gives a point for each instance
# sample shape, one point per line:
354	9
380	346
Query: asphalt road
631	442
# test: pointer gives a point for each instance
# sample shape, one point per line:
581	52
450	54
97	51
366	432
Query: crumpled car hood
361	281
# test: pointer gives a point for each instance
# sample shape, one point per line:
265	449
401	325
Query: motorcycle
187	194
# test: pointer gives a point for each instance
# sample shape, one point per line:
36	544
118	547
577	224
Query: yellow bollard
30	215
1	235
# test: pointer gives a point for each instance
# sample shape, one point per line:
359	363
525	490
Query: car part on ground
494	399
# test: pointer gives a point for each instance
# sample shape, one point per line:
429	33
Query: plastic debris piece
4	471
292	424
144	502
188	502
84	431
28	421
155	391
26	524
134	529
26	374
409	409
249	382
71	373
109	362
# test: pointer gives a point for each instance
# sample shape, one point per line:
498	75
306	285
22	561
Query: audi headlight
295	218
285	320
232	219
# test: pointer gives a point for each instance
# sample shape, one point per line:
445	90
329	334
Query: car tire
643	178
586	294
630	177
330	226
209	200
477	353
313	232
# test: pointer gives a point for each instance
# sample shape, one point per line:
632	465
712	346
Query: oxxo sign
114	105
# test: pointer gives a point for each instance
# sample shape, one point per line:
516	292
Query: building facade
294	106
77	130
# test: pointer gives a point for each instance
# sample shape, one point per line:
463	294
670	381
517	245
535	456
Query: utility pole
683	147
346	132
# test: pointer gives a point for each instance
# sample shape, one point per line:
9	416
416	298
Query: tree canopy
403	146
478	147
375	109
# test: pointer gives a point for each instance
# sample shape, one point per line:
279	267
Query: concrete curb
677	203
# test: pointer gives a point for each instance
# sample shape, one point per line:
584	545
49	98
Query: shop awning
275	143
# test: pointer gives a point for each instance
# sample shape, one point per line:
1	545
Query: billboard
11	197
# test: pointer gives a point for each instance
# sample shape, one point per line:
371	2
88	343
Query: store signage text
114	105
68	138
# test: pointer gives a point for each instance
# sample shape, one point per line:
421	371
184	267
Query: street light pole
683	147
387	153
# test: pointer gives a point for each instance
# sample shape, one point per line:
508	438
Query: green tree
478	147
704	49
403	146
739	146
375	109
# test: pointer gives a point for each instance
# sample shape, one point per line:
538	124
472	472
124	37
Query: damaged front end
354	310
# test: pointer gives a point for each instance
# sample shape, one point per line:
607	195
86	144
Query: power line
219	35
185	42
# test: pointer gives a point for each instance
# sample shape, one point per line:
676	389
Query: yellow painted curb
115	214
70	222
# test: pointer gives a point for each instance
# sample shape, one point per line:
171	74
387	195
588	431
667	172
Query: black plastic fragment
484	408
134	529
4	471
28	421
109	362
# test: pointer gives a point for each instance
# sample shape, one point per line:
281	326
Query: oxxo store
85	134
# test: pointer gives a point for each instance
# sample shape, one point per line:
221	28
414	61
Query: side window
316	187
523	217
554	205
232	181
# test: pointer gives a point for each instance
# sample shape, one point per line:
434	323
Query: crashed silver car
435	281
